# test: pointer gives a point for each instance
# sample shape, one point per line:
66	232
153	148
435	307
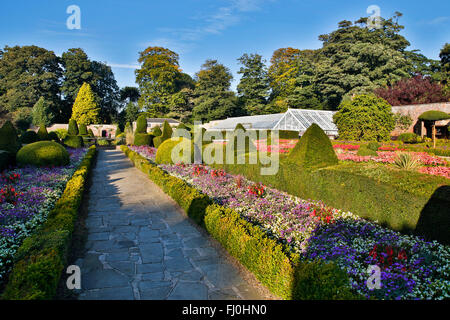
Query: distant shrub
374	146
74	142
141	124
287	134
103	142
29	137
62	133
409	137
53	136
143	139
83	131
73	128
43	153
91	133
43	134
8	138
314	150
157	131
364	151
166	134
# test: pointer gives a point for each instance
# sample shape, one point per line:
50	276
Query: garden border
266	258
41	258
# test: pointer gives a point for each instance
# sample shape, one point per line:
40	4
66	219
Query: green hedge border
42	257
283	274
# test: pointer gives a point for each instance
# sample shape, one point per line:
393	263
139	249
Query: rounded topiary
164	153
157	131
43	153
73	128
166	134
74	142
434	115
143	139
43	134
83	130
53	136
314	149
409	137
29	137
365	151
141	124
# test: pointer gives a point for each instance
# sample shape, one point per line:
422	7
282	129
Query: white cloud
439	20
123	66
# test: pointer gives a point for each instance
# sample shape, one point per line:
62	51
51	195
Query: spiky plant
406	161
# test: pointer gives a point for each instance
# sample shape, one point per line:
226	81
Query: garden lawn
411	268
27	195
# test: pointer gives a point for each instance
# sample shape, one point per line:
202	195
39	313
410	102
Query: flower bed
26	197
410	267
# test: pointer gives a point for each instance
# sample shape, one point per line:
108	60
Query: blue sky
115	31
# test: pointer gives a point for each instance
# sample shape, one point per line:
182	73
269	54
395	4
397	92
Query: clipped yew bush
74	142
29	137
143	139
157	131
43	153
166	134
73	128
43	134
83	131
314	150
408	137
141	124
9	145
164	153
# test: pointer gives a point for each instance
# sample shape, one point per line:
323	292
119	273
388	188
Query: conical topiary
73	128
141	124
314	150
157	131
83	131
43	133
85	109
166	134
9	145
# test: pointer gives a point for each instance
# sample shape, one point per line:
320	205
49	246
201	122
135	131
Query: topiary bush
9	144
29	137
74	142
314	149
62	133
83	131
52	136
43	134
164	153
143	139
157	131
141	124
43	153
287	134
73	128
166	134
409	137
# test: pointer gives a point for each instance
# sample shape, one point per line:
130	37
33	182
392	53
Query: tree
105	87
27	73
283	71
131	112
213	98
157	79
181	105
356	59
365	117
253	87
130	94
42	115
417	90
430	117
445	64
85	109
77	70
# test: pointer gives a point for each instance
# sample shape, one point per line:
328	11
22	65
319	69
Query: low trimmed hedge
43	153
40	260
284	274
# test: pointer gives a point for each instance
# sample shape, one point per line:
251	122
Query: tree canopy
85	109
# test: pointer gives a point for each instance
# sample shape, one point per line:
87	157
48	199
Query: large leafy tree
105	86
213	98
356	59
130	94
365	117
26	74
445	64
85	109
253	88
158	78
181	105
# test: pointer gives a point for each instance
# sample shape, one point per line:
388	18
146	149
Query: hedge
409	202
266	258
43	153
40	260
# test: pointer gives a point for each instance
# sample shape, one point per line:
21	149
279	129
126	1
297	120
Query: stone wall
98	129
414	111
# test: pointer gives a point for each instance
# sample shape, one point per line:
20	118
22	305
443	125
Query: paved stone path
140	246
